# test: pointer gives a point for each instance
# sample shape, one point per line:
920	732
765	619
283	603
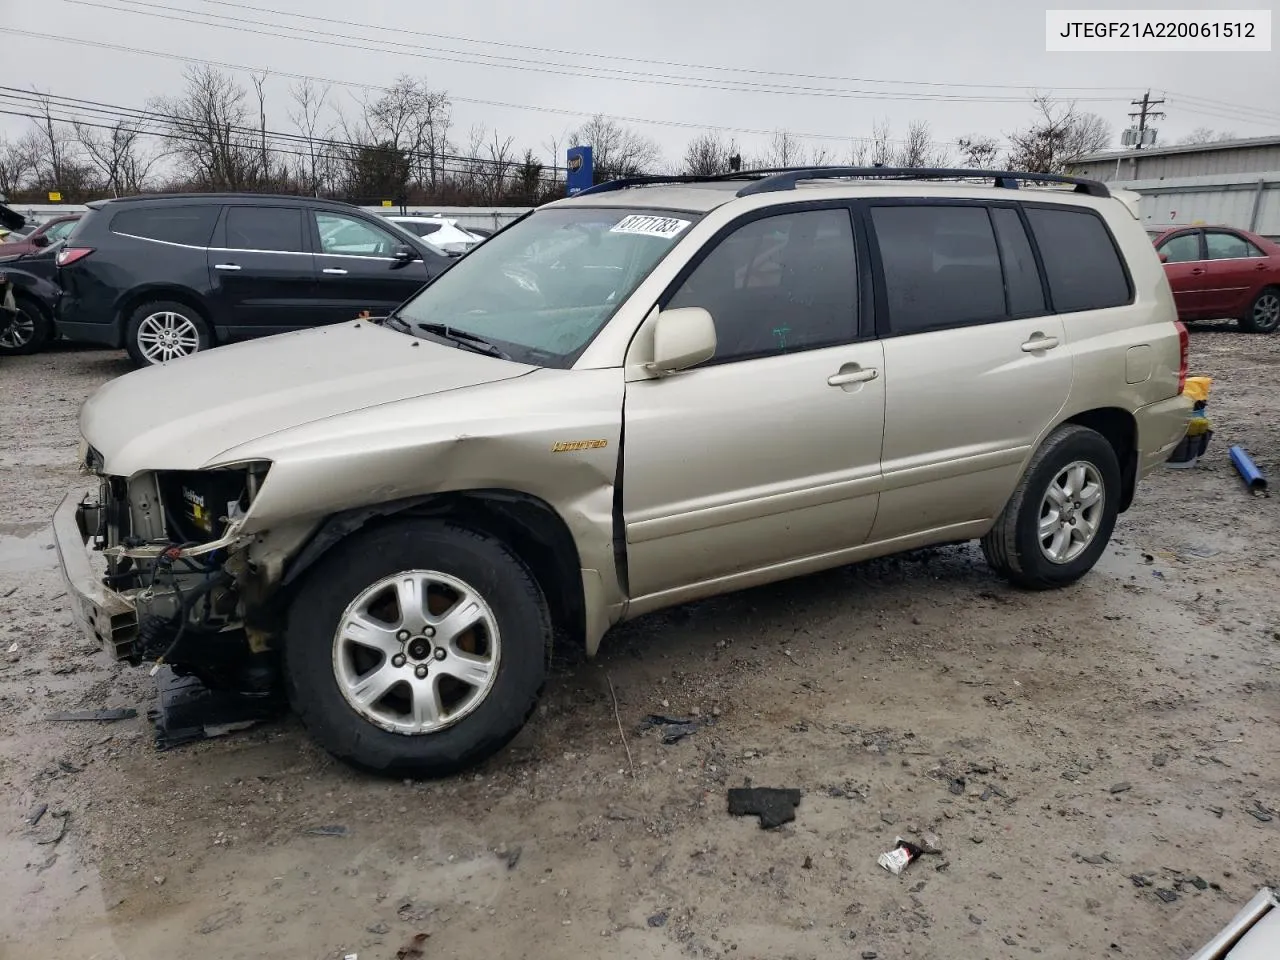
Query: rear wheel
30	329
1059	519
1263	315
418	648
164	330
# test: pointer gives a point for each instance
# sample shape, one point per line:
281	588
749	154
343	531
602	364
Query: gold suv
652	392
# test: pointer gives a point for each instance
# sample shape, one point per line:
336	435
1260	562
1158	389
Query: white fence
1249	201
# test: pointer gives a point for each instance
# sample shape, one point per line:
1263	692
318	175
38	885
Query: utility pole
1144	110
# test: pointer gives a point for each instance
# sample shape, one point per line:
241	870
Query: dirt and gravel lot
1100	764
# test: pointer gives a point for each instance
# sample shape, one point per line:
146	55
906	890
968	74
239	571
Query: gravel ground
1100	764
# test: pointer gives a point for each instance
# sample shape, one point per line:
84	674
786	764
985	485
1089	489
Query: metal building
1231	182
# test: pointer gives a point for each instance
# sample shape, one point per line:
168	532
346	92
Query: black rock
659	919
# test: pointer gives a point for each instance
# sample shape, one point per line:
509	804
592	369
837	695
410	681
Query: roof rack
774	179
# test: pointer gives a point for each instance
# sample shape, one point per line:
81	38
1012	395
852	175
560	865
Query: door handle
1261	266
226	266
1196	271
1039	342
855	374
334	271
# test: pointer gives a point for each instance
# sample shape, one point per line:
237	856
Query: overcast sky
942	47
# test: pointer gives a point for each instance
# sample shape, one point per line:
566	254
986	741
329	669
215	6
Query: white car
441	232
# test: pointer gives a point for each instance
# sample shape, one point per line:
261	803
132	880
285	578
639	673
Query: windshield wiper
396	322
462	338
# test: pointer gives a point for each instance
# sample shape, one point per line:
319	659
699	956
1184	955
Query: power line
1174	95
686	125
570	70
1144	110
623	59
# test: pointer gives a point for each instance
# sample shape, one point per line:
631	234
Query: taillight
1184	348
69	255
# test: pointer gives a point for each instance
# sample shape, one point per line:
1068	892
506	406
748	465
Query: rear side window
1184	248
941	266
1080	260
1021	275
264	228
1228	246
190	225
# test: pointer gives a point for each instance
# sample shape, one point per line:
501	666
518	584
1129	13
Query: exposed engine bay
169	539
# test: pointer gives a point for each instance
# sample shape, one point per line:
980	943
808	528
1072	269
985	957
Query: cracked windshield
542	289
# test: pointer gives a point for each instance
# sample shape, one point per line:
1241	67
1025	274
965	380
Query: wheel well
529	526
177	294
1121	431
21	296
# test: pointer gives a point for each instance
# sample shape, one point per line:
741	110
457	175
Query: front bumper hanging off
105	615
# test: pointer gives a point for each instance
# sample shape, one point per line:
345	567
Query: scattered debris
1121	787
1199	883
1168	896
37	812
956	786
931	842
622	813
63	817
659	919
618	719
511	855
412	949
974	918
1216	811
111	713
378	928
1139	880
1159	759
328	830
188	711
808	863
902	854
674	729
1095	859
1258	814
67	767
1248	470
775	806
977	839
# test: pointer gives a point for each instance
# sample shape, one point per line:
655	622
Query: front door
1237	269
1188	273
260	272
769	452
977	366
357	270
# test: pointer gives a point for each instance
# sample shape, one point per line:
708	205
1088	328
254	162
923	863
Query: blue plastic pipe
1247	469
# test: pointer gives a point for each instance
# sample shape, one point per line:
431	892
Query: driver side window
1184	248
346	236
778	285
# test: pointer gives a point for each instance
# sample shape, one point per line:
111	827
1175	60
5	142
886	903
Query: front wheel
165	330
1059	519
28	330
1263	315
417	648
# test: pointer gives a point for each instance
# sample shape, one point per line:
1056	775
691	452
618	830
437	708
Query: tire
161	330
29	331
325	671
1013	547
1263	315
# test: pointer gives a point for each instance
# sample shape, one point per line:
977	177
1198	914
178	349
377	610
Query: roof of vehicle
218	198
701	194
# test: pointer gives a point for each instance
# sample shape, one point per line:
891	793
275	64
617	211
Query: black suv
166	276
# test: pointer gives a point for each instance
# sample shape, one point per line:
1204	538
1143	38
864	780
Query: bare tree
784	150
1058	138
120	155
1206	135
709	154
881	147
17	162
413	119
494	175
56	154
858	152
207	124
616	151
306	115
979	151
259	80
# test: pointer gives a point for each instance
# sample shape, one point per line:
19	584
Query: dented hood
182	415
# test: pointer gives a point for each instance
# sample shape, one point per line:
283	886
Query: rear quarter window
189	225
1081	261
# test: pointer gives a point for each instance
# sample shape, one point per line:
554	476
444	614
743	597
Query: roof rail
647	180
787	179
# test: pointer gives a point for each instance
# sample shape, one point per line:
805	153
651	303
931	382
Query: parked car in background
629	399
49	232
441	232
1222	272
170	275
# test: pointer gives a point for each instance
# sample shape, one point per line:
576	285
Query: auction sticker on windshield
650	226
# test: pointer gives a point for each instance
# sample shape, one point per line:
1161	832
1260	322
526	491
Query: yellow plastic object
1198	427
1197	388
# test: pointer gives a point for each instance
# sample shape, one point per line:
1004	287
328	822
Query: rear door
977	363
1238	270
261	272
357	270
1188	272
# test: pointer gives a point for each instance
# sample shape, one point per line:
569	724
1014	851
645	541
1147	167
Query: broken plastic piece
775	806
115	713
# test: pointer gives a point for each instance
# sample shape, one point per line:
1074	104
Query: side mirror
40	241
682	338
1164	258
405	253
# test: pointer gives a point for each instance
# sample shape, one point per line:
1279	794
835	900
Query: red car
48	232
1218	272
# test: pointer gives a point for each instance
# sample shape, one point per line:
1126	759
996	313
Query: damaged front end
171	578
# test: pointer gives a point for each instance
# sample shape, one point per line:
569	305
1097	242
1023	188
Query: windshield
541	289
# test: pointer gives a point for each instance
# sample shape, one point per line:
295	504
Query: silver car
638	397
